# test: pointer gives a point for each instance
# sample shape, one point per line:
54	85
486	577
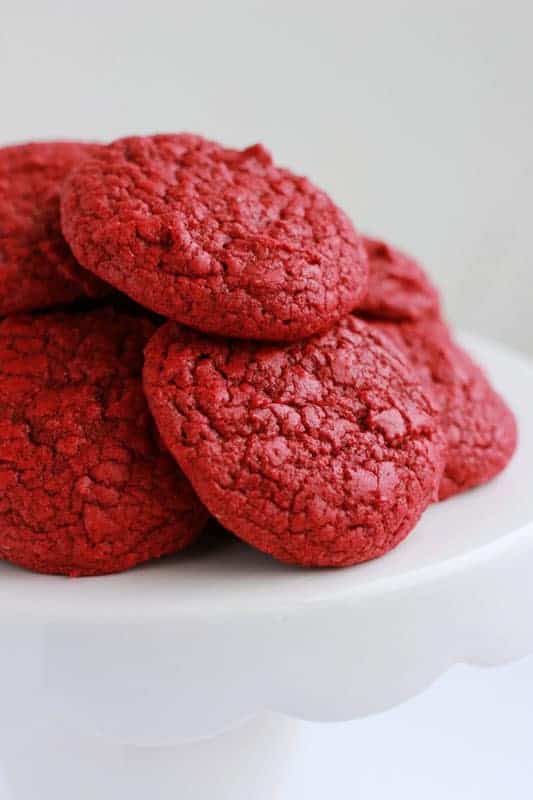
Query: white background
417	116
469	737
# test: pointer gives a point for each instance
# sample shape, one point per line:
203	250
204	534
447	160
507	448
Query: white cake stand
165	682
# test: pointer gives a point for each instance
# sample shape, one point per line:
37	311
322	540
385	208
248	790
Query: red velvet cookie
321	453
86	488
398	287
37	268
480	429
219	239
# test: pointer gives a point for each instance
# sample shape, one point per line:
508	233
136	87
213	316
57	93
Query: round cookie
321	453
398	287
480	429
37	268
86	487
219	239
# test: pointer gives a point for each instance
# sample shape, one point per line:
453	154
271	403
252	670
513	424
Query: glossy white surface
467	738
253	758
232	581
189	647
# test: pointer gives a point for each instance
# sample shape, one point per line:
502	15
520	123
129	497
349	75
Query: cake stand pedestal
185	679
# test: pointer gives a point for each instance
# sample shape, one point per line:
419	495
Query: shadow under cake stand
186	678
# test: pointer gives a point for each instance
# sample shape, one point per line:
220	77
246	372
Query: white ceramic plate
222	632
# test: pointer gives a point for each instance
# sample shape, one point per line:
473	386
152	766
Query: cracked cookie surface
219	239
480	428
37	268
86	487
398	287
321	453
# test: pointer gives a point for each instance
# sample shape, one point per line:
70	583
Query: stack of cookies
189	330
